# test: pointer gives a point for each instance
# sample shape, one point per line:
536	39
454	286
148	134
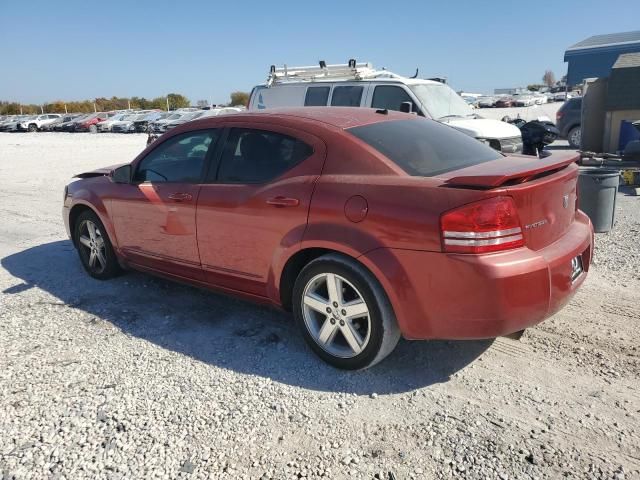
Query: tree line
174	101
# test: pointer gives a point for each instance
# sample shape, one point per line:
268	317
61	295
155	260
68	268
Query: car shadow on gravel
223	331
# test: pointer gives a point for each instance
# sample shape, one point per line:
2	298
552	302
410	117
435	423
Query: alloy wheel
93	246
336	315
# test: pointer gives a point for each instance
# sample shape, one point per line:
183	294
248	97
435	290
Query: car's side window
257	156
179	159
346	96
317	96
391	97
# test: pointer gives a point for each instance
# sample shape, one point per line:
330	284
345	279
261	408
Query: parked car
105	125
67	117
504	102
90	123
359	85
142	124
11	120
487	102
540	98
126	123
302	208
36	123
568	121
523	100
12	126
157	126
187	117
69	126
563	96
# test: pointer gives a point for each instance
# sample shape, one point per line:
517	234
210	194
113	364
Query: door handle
283	202
181	197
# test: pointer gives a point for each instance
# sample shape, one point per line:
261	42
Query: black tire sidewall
112	268
363	284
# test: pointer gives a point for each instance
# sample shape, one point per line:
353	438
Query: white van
359	85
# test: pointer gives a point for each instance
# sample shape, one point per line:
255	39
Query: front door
256	205
155	216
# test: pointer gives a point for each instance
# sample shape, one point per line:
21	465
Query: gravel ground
142	378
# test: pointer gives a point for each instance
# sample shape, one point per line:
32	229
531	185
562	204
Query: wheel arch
83	206
296	262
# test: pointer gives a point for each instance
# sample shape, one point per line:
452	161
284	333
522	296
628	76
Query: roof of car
340	117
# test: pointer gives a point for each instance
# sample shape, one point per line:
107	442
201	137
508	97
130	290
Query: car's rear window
424	148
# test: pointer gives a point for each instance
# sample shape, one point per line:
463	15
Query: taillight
486	226
559	115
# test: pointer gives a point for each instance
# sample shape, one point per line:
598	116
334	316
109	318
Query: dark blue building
595	56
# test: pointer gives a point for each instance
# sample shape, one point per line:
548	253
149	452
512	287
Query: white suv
35	123
359	85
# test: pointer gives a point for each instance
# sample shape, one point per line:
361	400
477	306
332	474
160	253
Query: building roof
627	60
607	40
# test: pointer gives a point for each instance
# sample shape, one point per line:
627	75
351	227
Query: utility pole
65	109
167	103
20	109
95	109
129	104
41	110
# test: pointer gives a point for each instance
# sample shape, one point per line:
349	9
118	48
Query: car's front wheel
574	137
33	127
343	313
94	248
93	129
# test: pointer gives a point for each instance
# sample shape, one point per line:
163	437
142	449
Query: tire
574	137
331	331
93	129
33	127
104	264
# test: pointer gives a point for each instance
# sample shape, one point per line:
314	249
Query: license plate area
576	267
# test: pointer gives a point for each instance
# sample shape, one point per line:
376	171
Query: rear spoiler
511	169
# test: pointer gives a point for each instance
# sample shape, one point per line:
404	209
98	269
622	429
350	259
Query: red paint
349	198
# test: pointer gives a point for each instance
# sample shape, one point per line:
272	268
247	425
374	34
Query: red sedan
367	224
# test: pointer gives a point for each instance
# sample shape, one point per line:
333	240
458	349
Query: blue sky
73	50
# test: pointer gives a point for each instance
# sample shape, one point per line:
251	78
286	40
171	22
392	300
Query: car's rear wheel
33	127
574	137
93	129
94	248
343	313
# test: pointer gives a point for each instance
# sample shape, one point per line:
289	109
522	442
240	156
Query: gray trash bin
597	190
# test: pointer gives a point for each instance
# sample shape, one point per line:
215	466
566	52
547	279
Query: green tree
177	101
239	98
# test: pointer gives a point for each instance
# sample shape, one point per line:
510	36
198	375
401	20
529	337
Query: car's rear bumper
454	296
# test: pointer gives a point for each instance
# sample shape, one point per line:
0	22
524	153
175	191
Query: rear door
255	203
155	216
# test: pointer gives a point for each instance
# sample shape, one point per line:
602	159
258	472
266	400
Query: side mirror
406	107
121	174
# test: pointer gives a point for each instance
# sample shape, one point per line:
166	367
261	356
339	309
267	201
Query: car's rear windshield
425	148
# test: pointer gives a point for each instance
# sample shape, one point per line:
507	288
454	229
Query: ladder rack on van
323	72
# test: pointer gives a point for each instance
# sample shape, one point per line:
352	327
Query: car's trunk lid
544	190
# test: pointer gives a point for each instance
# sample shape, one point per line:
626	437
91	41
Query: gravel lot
142	378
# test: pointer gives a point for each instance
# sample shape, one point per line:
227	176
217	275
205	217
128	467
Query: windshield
441	101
